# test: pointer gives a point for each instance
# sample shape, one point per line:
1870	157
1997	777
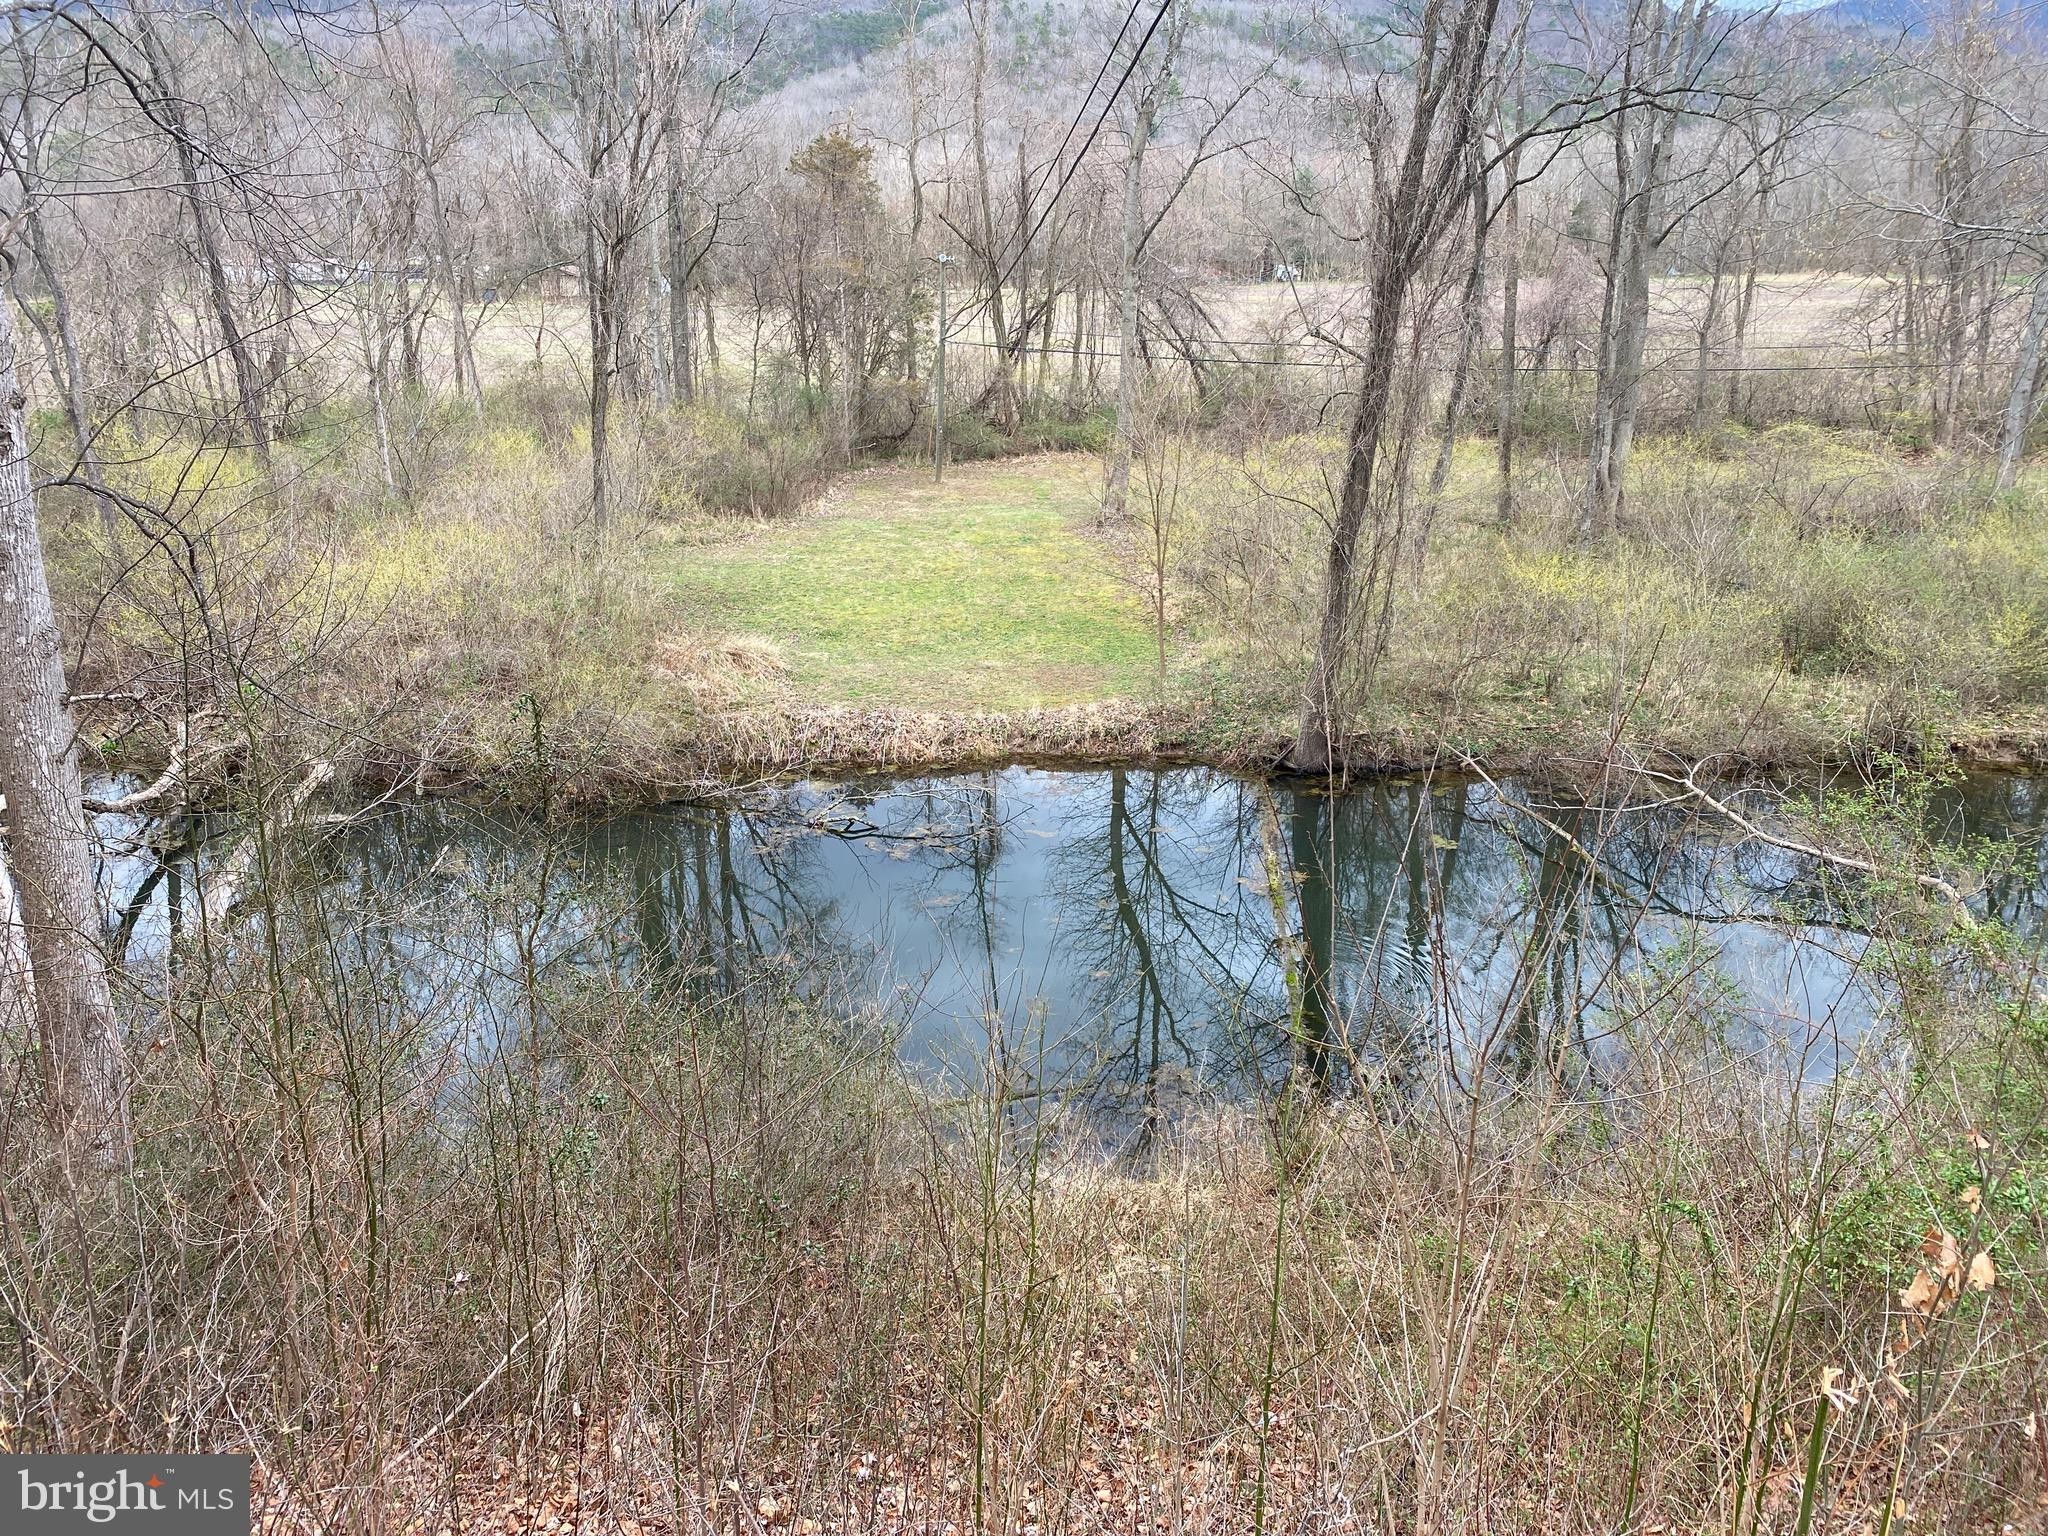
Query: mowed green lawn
984	593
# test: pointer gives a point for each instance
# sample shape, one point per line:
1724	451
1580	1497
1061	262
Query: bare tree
1975	208
1415	197
2022	399
1208	114
22	144
618	67
431	129
1663	50
48	844
1160	437
1152	90
157	88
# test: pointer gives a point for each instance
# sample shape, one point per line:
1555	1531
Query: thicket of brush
538	1241
1789	593
1783	590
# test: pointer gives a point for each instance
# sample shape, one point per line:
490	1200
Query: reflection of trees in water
1440	925
1367	884
2009	812
1160	956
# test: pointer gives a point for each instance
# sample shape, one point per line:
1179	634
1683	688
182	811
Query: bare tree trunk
710	316
1316	733
1951	345
169	112
1510	294
1412	210
1080	340
906	357
1663	46
682	365
1468	333
1625	325
456	283
85	1079
598	302
2019	404
1955	178
77	407
1745	306
1703	354
1040	386
1006	390
1116	492
660	356
375	348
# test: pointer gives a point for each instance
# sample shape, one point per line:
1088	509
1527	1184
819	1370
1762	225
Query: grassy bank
1781	597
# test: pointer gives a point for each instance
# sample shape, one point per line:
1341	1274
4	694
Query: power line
1336	358
1081	110
1075	164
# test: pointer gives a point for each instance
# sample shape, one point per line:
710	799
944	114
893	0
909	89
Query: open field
985	593
1794	311
1813	310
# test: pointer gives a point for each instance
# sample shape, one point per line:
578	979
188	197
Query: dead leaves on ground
1940	1280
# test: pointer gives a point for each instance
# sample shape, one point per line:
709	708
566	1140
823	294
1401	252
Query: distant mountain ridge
1919	18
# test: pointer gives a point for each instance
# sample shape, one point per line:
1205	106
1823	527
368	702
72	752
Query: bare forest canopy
231	228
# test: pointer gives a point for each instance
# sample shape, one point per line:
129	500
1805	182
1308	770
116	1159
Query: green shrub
970	437
1085	433
1829	606
762	473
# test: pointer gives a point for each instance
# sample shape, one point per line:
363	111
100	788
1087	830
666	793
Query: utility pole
939	381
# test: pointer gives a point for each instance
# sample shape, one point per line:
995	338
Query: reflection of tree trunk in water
656	910
1133	921
1422	828
1309	837
734	919
1443	880
174	911
982	854
131	914
715	953
2001	812
1459	800
1398	1052
1544	980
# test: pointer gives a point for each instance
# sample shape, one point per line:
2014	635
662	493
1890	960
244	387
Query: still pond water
1110	934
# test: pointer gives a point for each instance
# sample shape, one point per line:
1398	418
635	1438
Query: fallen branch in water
224	886
1689	784
171	778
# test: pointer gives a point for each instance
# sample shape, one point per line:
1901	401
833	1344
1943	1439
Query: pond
1109	934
